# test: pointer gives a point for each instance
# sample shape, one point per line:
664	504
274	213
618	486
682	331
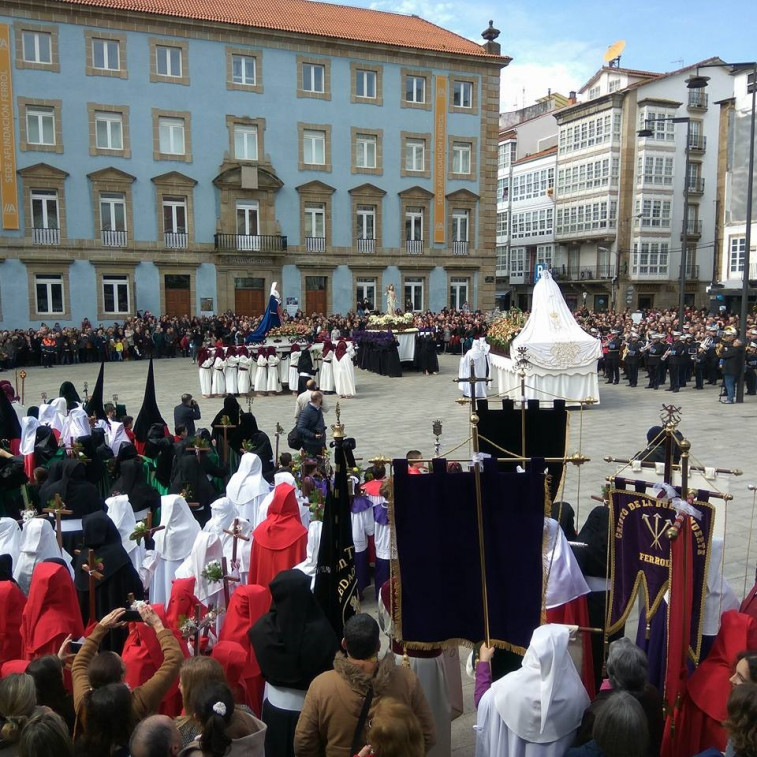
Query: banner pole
480	518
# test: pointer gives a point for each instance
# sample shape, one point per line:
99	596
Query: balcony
175	240
251	242
697	100
414	246
697	143
366	246
460	247
583	273
696	186
693	228
46	236
114	237
692	271
315	244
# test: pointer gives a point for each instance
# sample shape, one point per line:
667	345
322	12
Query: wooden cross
198	618
225	427
227	579
58	510
90	568
236	534
472	380
279	432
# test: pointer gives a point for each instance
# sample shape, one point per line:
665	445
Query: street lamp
647	132
700	82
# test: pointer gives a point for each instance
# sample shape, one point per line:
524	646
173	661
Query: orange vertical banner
8	182
441	97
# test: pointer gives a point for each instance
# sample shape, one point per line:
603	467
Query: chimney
572	97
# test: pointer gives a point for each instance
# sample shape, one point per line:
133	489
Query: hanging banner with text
640	556
8	182
441	98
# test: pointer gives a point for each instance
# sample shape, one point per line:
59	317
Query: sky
559	45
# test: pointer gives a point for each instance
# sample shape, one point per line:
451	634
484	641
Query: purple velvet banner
640	556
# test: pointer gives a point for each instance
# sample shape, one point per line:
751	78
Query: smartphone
75	646
131	616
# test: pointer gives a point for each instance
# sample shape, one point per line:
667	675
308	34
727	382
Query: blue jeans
730	387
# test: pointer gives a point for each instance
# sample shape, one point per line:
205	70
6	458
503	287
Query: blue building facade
180	166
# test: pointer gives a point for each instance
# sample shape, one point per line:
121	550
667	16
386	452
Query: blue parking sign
540	267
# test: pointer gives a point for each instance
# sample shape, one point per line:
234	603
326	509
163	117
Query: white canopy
551	335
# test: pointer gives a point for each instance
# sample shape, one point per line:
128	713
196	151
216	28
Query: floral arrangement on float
290	329
504	329
390	322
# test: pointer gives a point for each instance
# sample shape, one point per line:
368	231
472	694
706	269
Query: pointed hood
176	540
248	482
95	405
207	548
149	412
283	526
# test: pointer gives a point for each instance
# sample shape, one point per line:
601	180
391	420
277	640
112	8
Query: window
571	219
168	61
313	77
243	70
415	155
365	151
506	154
501	224
245	142
663	129
365	84
366	291
113	219
40	126
106	54
533	184
545	254
45	220
462	94
533	223
614	85
502	260
517	261
650	259
314	147
37	47
175	222
414	294
414	225
108	131
594	92
736	256
365	223
247	225
116	295
171	136
458	292
460	225
655	170
461	158
49	294
590	132
415	89
655	213
315	227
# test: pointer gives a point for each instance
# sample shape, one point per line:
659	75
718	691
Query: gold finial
380	460
462	401
337	429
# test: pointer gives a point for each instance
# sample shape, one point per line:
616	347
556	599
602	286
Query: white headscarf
49	416
121	513
175	541
248	482
29	426
10	539
720	596
222	514
75	425
565	580
222	517
207	547
545	700
116	436
38	543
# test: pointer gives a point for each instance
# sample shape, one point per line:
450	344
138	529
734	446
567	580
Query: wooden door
177	302
249	301
315	301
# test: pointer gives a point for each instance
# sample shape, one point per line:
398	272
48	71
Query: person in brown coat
340	703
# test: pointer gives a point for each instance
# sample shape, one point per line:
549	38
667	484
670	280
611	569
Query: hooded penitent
95	405
149	412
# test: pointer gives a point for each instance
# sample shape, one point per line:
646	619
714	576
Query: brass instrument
719	347
624	354
666	354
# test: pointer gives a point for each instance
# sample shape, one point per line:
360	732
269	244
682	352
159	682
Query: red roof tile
311	18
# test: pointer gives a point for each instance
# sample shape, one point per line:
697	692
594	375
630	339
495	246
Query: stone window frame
316	61
316	192
102	270
370	131
57	107
462	200
473	110
45	177
301	129
175	184
183	45
473	142
259	123
123	110
257	87
413	198
112	180
426	137
22	26
184	115
379	71
367	194
169	270
89	68
423	73
62	269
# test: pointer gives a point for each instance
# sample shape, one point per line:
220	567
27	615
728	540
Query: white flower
220	709
28	514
